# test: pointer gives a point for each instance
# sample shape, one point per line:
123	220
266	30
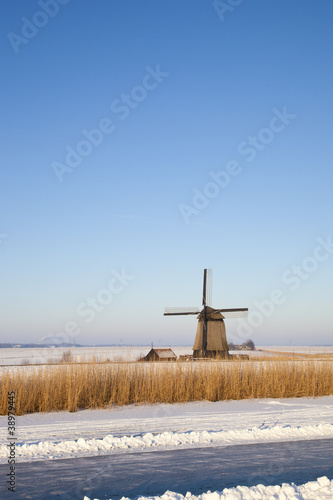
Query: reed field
76	386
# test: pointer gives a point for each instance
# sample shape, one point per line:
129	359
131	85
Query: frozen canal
153	472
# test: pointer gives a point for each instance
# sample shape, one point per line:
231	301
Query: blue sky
118	120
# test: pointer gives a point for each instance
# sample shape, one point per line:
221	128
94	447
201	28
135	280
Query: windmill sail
181	311
233	313
209	287
204	288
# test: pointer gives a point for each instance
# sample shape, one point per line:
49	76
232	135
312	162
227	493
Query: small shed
160	355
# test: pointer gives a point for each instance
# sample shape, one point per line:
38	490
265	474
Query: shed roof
164	353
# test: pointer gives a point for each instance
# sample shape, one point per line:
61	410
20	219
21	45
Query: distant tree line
33	345
245	346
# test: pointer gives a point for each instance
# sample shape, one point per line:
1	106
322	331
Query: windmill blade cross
210	340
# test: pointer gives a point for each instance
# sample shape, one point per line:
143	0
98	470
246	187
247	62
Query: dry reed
72	387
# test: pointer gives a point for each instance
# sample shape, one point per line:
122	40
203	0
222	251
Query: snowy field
299	349
47	436
41	355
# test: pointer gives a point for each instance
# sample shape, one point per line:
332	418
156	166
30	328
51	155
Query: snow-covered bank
322	489
97	432
90	447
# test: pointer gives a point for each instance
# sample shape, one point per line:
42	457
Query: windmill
210	340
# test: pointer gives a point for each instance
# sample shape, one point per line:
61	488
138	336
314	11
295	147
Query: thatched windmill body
211	339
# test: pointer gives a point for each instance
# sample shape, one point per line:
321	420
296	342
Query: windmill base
211	354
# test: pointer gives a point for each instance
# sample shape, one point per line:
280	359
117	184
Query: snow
299	349
41	355
226	423
313	490
90	447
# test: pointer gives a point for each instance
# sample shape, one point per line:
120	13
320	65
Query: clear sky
143	141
